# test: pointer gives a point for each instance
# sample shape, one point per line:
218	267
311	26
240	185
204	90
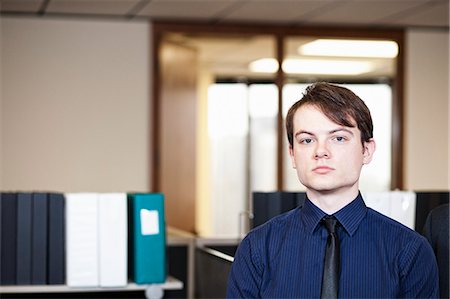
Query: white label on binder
149	222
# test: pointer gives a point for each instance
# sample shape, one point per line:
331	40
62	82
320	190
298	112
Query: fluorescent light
264	65
326	67
312	66
350	48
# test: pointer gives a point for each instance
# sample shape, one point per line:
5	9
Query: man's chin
321	188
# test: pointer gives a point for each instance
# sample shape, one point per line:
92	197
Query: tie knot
330	223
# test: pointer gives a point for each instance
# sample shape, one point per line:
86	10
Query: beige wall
75	98
427	111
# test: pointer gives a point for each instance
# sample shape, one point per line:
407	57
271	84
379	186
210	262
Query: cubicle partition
267	205
213	259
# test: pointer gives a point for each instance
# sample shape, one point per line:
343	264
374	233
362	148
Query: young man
333	246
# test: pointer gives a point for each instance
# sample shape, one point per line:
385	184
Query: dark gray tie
330	281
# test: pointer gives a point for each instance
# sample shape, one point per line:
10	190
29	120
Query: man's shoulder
392	229
276	224
265	241
401	242
386	222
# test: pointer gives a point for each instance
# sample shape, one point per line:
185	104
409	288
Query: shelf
170	284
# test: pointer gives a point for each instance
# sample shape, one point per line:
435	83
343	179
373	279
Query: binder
112	211
8	244
24	225
81	240
260	210
267	205
39	239
148	238
280	202
56	228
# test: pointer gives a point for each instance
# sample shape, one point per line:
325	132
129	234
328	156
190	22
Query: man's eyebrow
303	132
341	129
330	132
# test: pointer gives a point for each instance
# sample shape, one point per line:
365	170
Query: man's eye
340	138
306	140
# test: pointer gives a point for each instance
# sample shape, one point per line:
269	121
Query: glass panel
263	100
227	131
242	131
237	153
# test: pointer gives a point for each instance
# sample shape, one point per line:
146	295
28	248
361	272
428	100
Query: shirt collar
311	216
349	216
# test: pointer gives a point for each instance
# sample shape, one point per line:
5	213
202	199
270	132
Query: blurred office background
188	97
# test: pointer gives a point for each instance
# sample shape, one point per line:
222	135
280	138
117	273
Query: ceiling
367	13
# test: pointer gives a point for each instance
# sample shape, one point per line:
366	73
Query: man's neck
331	202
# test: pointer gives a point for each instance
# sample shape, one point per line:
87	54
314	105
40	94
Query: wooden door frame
280	33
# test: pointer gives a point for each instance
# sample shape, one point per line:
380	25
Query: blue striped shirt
380	258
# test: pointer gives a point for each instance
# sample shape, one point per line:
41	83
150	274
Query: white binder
82	240
112	211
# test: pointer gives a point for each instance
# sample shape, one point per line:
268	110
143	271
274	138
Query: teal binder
148	244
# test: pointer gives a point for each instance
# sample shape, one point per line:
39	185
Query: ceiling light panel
326	67
264	65
350	48
312	66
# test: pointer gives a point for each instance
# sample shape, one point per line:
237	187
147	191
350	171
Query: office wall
427	132
75	105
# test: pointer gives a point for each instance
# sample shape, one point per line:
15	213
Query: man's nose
321	151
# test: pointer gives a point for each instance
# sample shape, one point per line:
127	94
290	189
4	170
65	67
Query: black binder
267	205
39	239
260	210
8	207
56	235
24	208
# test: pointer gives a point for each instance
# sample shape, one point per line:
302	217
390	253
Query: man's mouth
323	169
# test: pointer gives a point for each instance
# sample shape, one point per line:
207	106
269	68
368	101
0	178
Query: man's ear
368	150
291	154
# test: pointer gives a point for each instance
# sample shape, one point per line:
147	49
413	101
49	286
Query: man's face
327	157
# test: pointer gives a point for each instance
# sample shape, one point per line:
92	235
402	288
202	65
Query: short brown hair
339	104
